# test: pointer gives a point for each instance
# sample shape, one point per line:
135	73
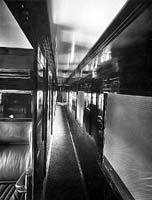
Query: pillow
15	132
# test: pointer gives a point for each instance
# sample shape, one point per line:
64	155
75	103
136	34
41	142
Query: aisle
64	178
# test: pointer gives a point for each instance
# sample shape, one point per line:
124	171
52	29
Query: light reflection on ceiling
11	34
77	25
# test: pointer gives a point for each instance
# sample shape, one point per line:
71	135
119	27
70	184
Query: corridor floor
73	169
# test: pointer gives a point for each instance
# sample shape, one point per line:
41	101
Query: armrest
21	184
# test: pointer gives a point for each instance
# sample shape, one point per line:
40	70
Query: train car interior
90	63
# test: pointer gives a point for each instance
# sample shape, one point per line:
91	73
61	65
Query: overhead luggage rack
16	68
15	74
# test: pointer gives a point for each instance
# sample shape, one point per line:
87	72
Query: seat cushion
14	160
8	192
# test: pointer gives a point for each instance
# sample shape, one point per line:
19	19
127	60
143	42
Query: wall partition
127	145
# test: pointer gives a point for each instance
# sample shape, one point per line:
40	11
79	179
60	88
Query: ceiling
11	35
77	25
75	28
